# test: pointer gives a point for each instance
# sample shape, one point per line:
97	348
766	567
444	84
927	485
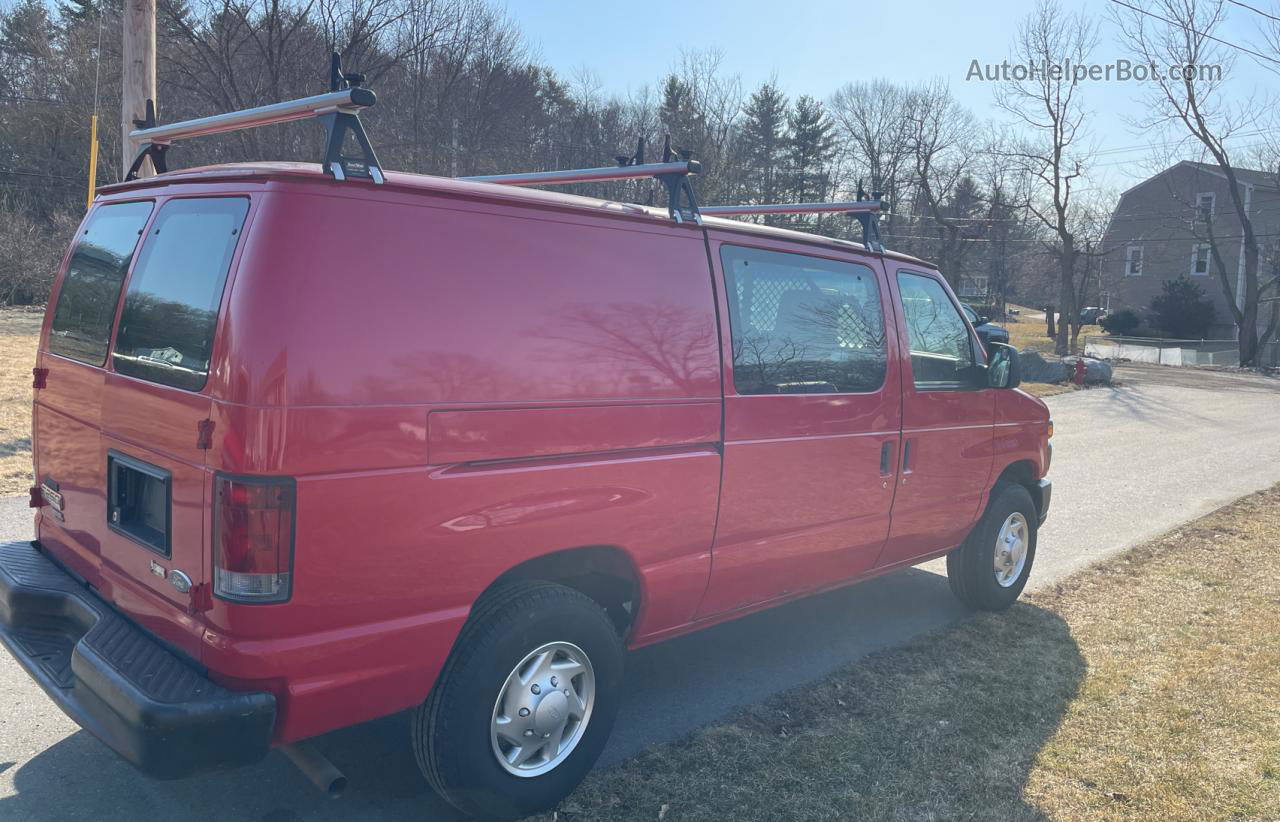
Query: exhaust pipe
316	767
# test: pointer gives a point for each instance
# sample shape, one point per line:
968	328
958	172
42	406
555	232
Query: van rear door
68	408
154	408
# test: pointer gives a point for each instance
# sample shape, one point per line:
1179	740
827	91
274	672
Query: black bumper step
151	706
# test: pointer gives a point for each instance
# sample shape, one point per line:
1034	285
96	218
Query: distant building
974	288
1155	235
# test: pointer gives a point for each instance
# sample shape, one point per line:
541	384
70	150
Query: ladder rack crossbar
348	101
589	175
848	207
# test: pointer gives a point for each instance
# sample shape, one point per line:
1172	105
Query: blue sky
814	46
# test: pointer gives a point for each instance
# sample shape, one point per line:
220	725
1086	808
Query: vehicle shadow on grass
945	726
673	689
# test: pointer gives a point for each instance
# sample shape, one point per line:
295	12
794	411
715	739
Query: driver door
948	414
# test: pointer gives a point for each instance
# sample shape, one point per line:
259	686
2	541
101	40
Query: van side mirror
1002	366
983	319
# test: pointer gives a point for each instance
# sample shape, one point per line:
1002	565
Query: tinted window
91	289
941	348
171	308
803	325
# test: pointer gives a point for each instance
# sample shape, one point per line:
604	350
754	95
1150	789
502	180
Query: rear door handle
886	458
906	456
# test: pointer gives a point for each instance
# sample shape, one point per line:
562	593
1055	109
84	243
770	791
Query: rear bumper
1045	495
149	705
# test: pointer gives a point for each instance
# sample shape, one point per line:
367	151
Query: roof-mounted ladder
864	211
338	111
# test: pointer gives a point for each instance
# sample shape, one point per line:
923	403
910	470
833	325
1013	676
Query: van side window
803	325
90	291
941	346
171	308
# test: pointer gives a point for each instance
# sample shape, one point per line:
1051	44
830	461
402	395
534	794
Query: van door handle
906	456
886	455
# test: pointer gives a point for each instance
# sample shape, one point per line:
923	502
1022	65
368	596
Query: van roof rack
864	211
673	172
338	111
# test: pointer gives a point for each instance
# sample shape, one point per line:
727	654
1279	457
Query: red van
311	451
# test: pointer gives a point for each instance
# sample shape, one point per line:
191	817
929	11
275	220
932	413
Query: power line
38	174
1185	27
18	98
1147	146
1253	9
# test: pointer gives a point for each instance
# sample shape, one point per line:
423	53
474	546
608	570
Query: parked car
454	447
1091	315
987	331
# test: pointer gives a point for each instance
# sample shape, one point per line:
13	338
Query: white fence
1175	352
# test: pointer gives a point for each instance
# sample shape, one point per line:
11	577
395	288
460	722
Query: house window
1204	205
973	287
1200	260
1133	261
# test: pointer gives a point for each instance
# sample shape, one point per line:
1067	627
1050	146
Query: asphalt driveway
1130	462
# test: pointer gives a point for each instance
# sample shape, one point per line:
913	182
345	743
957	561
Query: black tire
451	729
971	567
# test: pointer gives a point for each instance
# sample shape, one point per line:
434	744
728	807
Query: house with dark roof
1157	233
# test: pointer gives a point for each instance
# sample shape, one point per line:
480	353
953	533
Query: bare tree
942	137
873	120
1047	103
1192	103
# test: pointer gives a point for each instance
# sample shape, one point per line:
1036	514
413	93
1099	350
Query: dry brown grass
19	333
1145	688
1049	389
1028	335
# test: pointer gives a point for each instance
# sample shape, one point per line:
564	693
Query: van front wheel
991	568
524	704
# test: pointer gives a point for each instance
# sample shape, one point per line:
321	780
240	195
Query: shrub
1182	311
1121	323
32	248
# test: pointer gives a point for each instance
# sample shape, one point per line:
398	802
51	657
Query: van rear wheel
524	704
990	569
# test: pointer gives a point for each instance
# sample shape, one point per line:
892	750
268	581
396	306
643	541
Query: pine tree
810	148
679	115
763	143
80	11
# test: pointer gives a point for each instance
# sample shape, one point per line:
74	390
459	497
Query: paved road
1130	462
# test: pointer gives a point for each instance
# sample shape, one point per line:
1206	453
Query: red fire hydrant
1081	370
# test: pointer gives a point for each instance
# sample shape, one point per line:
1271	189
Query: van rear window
171	308
90	291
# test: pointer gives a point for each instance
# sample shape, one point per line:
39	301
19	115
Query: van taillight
253	539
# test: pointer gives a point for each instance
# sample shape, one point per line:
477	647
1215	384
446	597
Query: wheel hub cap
1012	542
553	710
543	709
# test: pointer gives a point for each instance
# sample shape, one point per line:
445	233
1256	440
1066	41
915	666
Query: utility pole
139	80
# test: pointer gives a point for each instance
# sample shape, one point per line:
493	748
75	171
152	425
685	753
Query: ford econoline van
312	451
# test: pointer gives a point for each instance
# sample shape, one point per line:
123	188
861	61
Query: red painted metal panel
500	434
556	311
